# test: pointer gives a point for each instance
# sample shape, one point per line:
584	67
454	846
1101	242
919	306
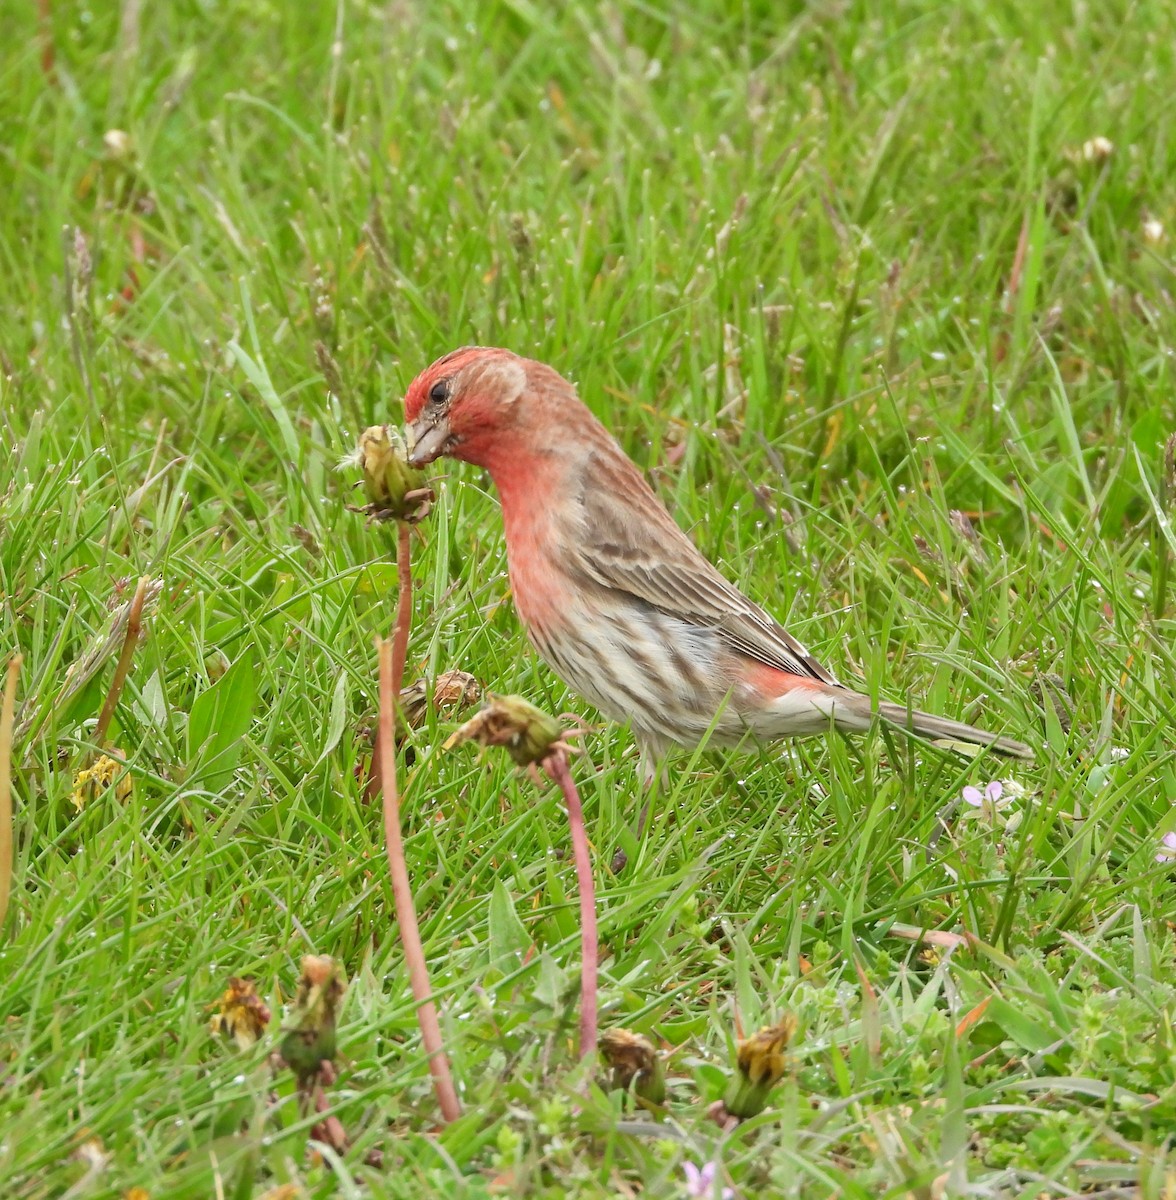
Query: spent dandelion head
528	734
309	1041
451	689
395	491
760	1064
635	1065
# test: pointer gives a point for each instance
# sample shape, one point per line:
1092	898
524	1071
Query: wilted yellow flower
108	769
310	1035
635	1064
760	1064
241	1014
395	491
527	732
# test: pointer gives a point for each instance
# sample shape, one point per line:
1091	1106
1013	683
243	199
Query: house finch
614	596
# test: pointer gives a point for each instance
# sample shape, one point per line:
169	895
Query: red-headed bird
614	596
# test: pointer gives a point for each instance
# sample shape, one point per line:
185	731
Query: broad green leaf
509	940
218	721
1025	1031
337	718
552	985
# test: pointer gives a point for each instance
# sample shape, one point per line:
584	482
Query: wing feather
629	542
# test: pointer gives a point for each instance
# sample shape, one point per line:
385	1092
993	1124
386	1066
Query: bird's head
470	404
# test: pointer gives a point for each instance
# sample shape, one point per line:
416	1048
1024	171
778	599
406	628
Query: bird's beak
429	438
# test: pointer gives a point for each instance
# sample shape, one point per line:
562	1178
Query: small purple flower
976	798
700	1182
1167	850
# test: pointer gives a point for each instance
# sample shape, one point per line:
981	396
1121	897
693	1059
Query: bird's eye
439	392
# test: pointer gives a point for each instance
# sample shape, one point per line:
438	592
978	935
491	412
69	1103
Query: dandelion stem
330	1128
6	714
123	667
556	765
399	643
403	606
410	936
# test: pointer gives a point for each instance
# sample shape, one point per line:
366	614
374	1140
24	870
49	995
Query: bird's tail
924	725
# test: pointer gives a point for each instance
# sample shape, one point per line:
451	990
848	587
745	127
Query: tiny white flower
1098	149
117	143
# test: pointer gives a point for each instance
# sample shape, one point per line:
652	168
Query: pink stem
410	934
403	606
375	780
556	765
330	1129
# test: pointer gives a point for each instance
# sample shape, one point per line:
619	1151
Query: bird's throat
533	492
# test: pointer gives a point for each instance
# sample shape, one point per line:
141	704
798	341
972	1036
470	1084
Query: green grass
778	236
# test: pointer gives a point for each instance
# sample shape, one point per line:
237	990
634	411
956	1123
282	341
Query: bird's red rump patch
769	682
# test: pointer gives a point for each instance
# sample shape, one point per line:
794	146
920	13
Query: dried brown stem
556	765
45	33
123	667
1014	282
6	716
375	779
410	936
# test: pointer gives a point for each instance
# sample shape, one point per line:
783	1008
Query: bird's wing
630	542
